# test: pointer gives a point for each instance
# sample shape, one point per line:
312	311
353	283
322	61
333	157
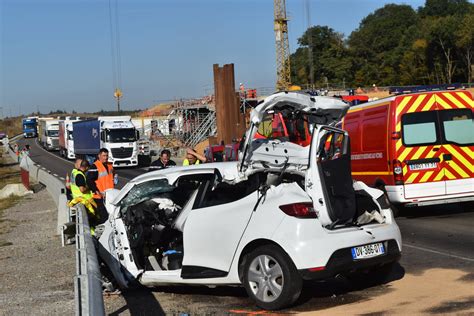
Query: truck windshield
125	135
54	133
28	125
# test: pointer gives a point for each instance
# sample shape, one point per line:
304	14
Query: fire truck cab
418	147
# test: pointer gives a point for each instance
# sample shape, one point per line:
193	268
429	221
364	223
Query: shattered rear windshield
145	191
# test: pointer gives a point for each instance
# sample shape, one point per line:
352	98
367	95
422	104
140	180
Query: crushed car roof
280	152
332	109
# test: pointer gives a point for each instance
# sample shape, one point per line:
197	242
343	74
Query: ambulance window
419	128
458	126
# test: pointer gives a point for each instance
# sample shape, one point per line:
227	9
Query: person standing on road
100	178
16	149
193	158
78	180
163	162
81	193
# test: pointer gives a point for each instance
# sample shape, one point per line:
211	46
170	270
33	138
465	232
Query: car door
215	226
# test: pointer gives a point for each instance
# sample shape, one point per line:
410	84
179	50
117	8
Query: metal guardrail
87	282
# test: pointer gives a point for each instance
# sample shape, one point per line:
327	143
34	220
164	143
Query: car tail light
301	210
398	172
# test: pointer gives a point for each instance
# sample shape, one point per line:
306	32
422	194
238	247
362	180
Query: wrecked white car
287	211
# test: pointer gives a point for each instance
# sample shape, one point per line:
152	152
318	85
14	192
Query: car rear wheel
270	278
396	209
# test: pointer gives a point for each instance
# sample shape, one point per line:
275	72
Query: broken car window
145	191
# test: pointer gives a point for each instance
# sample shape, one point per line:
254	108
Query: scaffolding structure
192	121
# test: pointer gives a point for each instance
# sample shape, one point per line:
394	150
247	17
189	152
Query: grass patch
9	172
5	224
8	202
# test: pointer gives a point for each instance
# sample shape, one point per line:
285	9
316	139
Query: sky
56	54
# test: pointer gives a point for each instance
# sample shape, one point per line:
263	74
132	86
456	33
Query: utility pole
118	94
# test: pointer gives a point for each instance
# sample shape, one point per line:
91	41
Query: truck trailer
30	128
115	133
49	133
66	140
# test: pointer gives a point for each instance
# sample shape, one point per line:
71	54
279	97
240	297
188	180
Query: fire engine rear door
455	118
420	149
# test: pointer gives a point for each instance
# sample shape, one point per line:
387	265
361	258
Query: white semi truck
66	138
48	133
115	133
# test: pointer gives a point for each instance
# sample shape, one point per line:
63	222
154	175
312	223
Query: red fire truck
418	147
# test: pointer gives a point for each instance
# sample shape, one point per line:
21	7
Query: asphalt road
59	166
435	237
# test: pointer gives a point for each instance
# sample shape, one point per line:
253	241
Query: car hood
320	110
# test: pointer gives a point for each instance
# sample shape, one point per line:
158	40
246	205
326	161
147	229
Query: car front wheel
270	278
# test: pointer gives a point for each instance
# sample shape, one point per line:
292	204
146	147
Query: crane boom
282	45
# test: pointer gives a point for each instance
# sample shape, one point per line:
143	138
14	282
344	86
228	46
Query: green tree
440	33
329	55
441	8
465	43
380	42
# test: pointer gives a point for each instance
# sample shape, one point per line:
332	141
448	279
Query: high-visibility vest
105	179
186	162
76	192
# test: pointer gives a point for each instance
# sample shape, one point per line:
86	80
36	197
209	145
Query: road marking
55	175
61	178
438	252
43	168
49	153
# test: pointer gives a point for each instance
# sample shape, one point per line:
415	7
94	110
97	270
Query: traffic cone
68	182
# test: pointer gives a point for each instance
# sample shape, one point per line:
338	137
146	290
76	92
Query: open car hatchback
288	210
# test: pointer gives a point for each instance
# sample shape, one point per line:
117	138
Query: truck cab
30	127
49	133
119	136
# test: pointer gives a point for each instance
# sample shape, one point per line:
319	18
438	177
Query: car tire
270	278
396	209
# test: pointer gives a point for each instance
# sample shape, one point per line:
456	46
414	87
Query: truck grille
55	143
122	152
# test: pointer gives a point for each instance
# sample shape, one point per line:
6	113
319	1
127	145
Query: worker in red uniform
100	178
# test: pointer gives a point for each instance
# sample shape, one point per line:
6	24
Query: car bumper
311	247
124	163
396	195
341	262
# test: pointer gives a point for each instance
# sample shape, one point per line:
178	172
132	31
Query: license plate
368	251
422	166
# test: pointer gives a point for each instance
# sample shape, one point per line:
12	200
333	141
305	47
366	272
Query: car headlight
383	202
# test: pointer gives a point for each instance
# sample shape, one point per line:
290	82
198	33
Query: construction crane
282	45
